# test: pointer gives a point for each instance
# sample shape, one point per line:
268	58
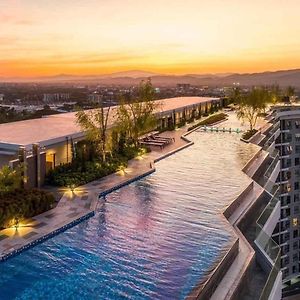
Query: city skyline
176	37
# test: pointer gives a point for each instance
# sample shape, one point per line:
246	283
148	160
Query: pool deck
73	207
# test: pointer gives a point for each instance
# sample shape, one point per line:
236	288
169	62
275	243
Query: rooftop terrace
52	127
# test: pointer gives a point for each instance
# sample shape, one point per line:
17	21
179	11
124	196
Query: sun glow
97	37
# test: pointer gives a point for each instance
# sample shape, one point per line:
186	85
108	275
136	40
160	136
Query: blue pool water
153	239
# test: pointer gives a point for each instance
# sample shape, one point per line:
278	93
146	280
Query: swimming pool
153	239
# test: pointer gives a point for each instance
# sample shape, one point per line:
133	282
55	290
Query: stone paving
83	201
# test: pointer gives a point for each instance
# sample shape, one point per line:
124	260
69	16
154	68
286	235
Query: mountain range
132	77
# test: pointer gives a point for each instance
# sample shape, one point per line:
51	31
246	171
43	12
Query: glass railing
271	279
272	166
268	245
267	212
265	242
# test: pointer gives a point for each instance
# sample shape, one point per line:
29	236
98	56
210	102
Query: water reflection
153	239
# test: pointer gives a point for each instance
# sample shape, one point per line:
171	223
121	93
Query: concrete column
36	154
23	160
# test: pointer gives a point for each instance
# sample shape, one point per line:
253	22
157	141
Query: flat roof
50	128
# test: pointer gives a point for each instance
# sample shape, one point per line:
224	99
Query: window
296	210
297	161
295	221
297	124
296	198
295	269
295	257
296	186
295	233
286	163
297	148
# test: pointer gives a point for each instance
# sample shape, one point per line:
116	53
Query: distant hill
283	78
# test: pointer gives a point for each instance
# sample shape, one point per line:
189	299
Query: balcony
273	170
268	252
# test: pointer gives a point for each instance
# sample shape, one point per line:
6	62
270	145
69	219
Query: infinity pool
153	239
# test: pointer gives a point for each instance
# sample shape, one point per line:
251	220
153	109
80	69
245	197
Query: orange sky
171	36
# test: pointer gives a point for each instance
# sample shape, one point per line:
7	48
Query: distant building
95	98
1	97
56	97
183	86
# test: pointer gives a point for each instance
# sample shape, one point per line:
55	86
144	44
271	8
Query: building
49	98
264	260
47	142
272	226
287	143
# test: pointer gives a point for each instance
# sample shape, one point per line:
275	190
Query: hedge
210	120
23	203
76	174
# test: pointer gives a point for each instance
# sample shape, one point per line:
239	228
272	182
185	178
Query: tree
94	123
275	94
136	117
251	105
290	91
10	179
235	94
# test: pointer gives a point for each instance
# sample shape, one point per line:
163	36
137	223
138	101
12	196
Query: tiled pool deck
73	207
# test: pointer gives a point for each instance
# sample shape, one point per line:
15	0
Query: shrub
75	174
23	203
209	121
248	134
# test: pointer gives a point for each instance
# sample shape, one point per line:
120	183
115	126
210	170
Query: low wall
246	272
251	215
205	290
125	182
252	159
237	202
45	237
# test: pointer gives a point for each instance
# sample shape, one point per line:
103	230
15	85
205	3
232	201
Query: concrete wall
5	159
31	172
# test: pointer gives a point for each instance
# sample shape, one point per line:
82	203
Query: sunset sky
42	37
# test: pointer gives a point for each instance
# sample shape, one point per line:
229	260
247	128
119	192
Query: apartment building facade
287	143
